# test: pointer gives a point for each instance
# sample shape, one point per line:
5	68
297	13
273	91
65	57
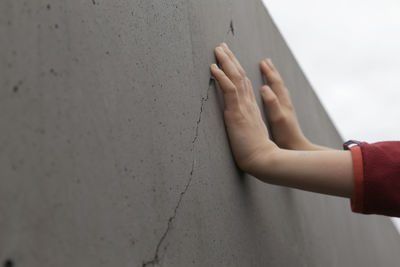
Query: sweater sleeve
376	169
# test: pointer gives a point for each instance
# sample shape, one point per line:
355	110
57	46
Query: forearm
305	144
327	172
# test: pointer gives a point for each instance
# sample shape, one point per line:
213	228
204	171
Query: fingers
250	91
228	65
231	97
233	58
233	70
272	103
274	79
270	72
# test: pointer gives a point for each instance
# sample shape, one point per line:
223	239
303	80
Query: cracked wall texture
113	150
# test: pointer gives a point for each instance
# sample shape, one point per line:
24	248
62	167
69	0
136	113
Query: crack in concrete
203	99
231	30
156	258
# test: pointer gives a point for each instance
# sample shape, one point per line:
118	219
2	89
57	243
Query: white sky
350	52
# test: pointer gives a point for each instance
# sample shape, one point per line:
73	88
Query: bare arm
326	171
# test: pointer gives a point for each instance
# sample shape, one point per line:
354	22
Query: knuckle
230	89
277	81
271	99
289	106
249	104
254	109
238	77
277	118
276	77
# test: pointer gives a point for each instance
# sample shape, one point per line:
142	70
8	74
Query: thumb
272	104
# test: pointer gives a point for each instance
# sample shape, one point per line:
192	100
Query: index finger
233	58
228	65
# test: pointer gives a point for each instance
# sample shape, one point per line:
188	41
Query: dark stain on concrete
17	86
8	263
52	71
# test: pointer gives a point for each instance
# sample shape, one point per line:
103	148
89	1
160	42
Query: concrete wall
113	150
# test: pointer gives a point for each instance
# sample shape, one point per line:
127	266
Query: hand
286	130
328	172
247	132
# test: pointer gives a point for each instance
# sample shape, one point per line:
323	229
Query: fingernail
225	45
219	49
264	89
214	66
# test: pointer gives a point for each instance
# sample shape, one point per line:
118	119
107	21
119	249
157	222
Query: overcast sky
349	51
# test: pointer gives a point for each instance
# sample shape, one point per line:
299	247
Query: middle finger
233	58
228	66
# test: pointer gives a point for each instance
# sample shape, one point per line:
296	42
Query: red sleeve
376	178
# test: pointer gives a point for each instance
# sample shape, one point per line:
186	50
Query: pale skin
292	160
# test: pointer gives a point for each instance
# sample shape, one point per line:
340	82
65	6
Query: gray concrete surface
113	150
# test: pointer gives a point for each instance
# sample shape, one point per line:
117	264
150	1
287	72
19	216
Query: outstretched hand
285	127
247	131
327	171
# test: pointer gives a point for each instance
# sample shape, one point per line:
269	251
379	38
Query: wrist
293	141
262	165
305	144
